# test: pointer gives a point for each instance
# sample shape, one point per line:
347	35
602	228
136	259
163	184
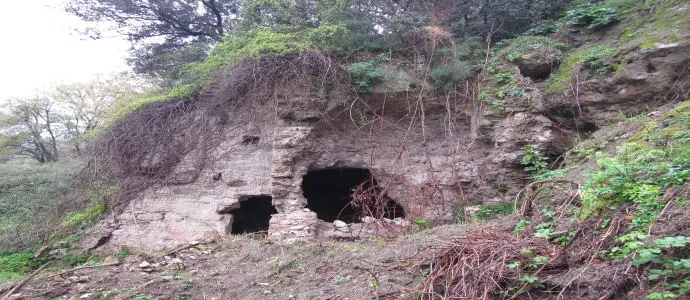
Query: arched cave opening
330	194
252	215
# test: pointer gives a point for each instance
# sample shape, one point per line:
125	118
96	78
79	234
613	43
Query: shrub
591	16
364	75
451	73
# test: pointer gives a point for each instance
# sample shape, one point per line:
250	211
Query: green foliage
666	25
364	75
94	209
491	211
28	191
668	269
515	48
529	278
179	93
14	264
521	225
505	78
535	164
657	157
587	58
123	252
447	74
421	223
591	16
74	260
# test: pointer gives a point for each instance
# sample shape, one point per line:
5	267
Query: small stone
167	257
291	296
109	260
144	265
57	252
267	292
194	243
368	219
167	278
339	224
85	296
263	283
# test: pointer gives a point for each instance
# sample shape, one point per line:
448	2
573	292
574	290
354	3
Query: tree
29	129
159	29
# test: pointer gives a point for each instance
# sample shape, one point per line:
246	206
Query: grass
590	57
491	211
27	188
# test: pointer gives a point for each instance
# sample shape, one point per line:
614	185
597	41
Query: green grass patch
28	188
491	211
15	265
669	21
590	58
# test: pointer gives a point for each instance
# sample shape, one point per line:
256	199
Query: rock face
645	80
428	155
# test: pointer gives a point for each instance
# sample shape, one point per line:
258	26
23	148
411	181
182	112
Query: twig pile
474	266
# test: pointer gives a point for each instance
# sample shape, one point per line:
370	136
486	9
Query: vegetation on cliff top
647	175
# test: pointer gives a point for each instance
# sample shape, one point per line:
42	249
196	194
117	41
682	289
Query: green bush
451	73
364	75
591	16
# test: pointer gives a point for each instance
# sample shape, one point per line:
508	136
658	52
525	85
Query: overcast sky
40	48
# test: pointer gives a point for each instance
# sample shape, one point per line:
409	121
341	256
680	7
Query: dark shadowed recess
329	193
253	215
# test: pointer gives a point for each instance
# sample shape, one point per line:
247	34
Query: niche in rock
347	194
252	215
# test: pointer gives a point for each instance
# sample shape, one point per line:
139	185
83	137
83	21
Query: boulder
537	64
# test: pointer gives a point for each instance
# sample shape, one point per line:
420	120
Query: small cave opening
330	194
253	214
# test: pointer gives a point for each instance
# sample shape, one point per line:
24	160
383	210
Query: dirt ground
250	267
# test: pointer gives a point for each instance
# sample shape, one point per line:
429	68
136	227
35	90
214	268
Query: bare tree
30	129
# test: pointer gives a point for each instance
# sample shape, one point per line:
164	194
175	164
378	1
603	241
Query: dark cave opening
253	214
329	194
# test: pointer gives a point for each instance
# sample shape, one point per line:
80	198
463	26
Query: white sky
40	48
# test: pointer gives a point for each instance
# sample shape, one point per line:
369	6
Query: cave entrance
253	214
329	194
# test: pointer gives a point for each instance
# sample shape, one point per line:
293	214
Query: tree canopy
168	35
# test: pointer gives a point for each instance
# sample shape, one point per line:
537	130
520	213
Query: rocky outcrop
645	80
432	156
537	64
